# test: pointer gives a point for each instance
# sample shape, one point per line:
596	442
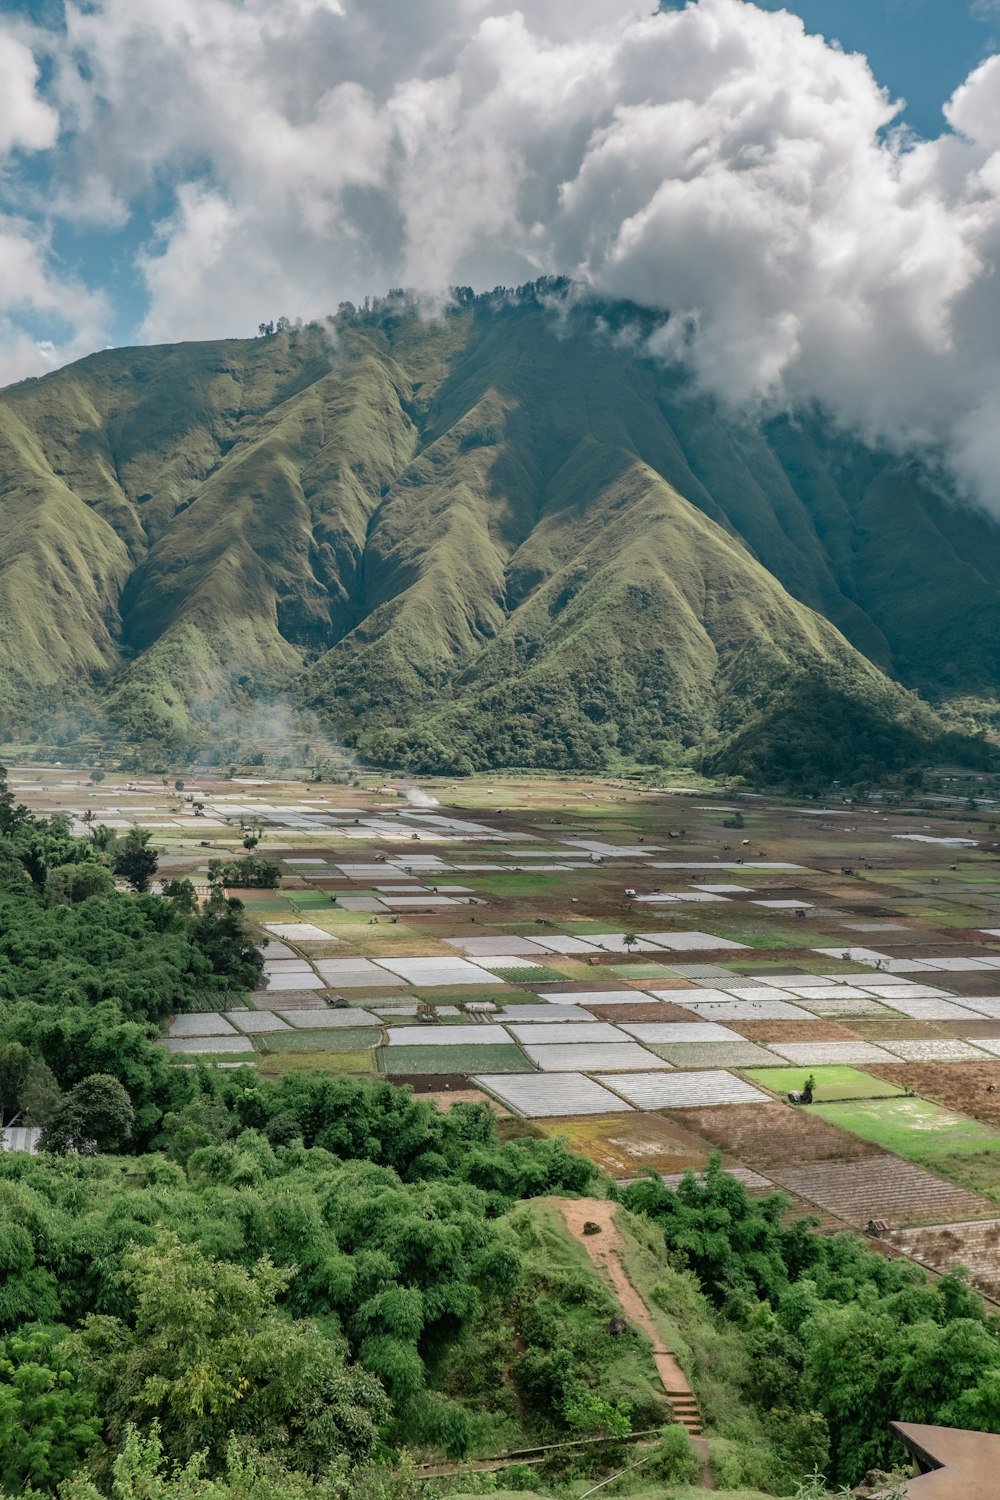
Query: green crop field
914	1128
537	975
325	1039
489	1058
274	1064
642	971
832	1082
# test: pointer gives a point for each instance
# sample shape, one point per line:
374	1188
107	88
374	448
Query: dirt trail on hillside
605	1249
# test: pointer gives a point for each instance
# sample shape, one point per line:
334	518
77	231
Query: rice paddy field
645	973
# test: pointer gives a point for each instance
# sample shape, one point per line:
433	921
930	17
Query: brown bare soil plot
618	1013
444	1099
971	1029
901	1028
958	1086
629	1146
969	981
663	984
946	1246
881	1187
766	1135
793	1031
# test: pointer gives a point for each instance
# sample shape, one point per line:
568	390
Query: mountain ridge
499	537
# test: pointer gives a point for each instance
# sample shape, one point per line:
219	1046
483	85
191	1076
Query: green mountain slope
501	537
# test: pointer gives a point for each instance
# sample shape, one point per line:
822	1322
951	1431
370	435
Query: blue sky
920	49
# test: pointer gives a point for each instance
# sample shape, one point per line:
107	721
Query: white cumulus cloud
716	162
33	288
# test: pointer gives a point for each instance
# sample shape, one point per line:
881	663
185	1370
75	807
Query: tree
96	1116
210	1355
182	893
48	1420
97	777
252	832
78	882
40	1093
15	1061
135	861
178	785
253	871
13	816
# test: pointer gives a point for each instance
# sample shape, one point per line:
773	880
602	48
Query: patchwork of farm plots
620	969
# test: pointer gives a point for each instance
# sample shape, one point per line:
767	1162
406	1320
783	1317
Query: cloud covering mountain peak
716	162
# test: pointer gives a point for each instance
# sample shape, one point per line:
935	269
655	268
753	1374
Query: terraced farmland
610	965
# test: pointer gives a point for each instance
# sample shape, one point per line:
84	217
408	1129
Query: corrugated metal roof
20	1138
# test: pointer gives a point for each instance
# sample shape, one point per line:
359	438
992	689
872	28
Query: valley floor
629	971
645	974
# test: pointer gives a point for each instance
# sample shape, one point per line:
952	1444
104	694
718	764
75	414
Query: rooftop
951	1463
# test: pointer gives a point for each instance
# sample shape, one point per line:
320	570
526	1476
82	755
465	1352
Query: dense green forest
215	1285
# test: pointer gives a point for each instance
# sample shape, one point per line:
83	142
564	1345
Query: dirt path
605	1250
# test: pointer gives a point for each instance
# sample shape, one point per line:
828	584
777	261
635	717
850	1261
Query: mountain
503	536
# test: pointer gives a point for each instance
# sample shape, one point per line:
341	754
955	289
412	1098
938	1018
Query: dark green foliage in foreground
288	1265
302	1297
834	1333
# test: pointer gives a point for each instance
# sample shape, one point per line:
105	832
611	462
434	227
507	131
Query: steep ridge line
496	538
605	1250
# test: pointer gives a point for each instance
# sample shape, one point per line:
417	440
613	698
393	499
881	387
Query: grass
915	1129
560	1268
325	1039
642	971
832	1082
274	1064
776	937
488	1058
516	882
539	975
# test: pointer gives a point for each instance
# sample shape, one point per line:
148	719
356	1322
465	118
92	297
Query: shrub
676	1461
